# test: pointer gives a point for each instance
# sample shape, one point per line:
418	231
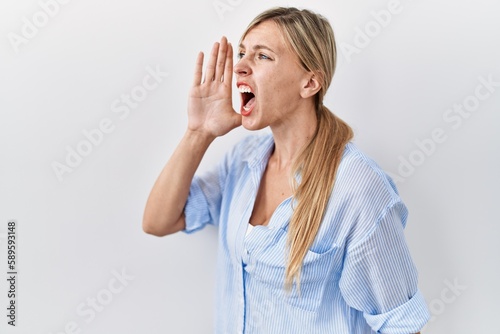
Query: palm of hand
210	107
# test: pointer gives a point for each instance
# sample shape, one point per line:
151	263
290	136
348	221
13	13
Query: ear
311	85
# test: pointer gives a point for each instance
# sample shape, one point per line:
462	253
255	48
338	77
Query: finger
221	59
198	69
210	71
228	69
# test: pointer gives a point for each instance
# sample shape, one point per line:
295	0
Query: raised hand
210	109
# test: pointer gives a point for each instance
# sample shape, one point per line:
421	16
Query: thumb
236	119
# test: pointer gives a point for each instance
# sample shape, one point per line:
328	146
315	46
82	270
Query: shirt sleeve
203	205
380	279
204	200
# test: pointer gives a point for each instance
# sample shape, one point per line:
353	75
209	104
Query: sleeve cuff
196	209
410	317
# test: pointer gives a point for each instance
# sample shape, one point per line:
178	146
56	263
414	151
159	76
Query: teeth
244	89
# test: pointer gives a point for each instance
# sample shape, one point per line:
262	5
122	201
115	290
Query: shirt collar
260	151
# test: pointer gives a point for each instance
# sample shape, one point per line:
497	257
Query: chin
252	125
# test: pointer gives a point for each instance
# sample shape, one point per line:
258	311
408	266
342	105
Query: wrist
199	138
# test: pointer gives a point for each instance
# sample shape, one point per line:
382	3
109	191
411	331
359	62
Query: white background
77	233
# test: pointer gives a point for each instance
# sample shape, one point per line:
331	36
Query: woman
310	229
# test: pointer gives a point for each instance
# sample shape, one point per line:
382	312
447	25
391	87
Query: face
269	78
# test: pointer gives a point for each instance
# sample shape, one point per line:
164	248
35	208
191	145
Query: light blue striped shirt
357	277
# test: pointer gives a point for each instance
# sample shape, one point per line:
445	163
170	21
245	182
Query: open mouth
247	99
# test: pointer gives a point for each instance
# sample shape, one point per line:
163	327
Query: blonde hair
311	37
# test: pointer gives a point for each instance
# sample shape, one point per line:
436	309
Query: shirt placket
241	253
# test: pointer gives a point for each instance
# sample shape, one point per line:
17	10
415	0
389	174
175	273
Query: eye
263	56
240	55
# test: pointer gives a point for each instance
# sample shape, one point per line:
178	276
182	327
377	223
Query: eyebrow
258	47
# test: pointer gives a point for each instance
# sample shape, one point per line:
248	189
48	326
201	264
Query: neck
291	136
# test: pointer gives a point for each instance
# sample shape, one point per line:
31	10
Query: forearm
163	213
210	115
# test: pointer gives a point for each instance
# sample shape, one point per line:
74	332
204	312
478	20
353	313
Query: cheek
278	87
285	92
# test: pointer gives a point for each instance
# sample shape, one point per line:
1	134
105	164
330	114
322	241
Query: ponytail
317	166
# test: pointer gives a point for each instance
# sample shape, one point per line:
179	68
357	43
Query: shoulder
361	197
359	175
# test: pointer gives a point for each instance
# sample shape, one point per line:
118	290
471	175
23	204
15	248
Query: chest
273	189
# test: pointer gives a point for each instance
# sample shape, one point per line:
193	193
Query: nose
241	68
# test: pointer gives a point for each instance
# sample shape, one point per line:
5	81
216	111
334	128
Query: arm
210	114
380	279
164	210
